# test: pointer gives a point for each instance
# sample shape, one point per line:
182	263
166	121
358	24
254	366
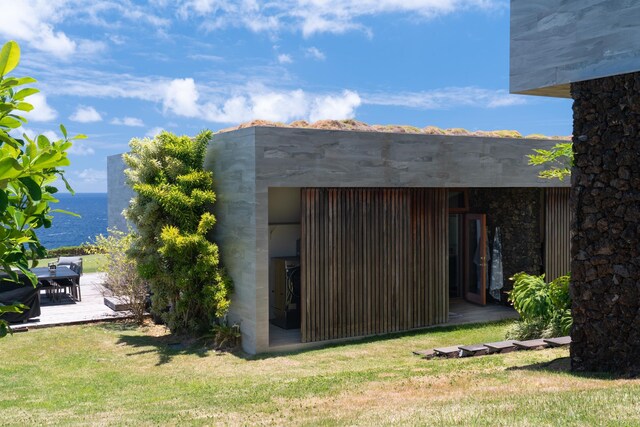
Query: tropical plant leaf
9	57
34	190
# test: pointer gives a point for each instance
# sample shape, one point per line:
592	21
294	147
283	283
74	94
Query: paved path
68	311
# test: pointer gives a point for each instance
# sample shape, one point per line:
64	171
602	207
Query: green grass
90	263
117	374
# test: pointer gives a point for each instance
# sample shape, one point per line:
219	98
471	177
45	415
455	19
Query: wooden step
450	352
116	304
531	344
558	342
501	346
473	350
425	354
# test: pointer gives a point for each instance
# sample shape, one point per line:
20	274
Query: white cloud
87	180
81	148
335	106
42	111
51	135
85	114
283	58
315	53
128	121
205	57
91	175
153	132
258	102
447	98
36	23
181	97
319	16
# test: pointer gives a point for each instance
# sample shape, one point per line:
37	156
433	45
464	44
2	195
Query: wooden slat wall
373	260
557	251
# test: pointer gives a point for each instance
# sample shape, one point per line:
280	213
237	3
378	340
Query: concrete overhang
558	42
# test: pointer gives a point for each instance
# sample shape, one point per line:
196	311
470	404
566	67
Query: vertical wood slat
373	261
557	239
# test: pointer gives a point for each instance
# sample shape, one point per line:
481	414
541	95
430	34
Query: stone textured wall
518	213
605	245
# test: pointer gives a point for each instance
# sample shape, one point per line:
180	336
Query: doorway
468	264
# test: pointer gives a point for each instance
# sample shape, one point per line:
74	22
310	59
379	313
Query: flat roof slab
555	43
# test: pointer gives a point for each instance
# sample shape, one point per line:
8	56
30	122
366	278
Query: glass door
475	271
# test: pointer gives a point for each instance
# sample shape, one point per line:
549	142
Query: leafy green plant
226	336
171	213
544	307
559	159
28	170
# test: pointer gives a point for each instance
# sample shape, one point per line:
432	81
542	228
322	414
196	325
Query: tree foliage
28	169
558	160
171	214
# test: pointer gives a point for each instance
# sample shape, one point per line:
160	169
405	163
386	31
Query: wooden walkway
68	311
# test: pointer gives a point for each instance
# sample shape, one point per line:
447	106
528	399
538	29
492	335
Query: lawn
90	263
119	374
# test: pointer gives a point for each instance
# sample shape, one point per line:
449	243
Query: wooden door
475	265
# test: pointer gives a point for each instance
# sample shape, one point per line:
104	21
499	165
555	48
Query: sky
121	69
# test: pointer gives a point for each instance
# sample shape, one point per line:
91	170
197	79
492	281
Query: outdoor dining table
55	281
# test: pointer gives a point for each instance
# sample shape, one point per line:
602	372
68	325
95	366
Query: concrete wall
118	192
288	157
556	42
232	159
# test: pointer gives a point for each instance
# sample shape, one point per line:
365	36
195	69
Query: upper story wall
557	42
118	193
294	157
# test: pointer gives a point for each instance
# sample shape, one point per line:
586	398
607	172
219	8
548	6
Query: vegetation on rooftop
355	125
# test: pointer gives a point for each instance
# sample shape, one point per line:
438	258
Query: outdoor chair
74	264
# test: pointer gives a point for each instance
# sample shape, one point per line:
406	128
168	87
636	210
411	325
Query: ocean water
68	230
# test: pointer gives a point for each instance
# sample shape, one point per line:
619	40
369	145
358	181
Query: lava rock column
605	244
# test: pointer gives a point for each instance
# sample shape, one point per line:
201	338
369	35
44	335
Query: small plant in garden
122	280
171	213
226	336
28	169
545	308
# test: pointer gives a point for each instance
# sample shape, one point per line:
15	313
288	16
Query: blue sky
119	69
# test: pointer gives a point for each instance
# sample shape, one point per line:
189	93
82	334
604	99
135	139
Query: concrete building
332	235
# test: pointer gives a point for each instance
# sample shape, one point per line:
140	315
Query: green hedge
84	249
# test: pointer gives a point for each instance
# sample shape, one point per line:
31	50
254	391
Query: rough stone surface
517	211
605	251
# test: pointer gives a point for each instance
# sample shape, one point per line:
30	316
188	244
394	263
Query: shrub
83	249
225	336
122	280
171	213
545	308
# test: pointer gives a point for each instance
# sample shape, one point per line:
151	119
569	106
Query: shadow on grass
563	365
166	346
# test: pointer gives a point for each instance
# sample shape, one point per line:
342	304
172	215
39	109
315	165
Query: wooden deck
460	312
68	311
